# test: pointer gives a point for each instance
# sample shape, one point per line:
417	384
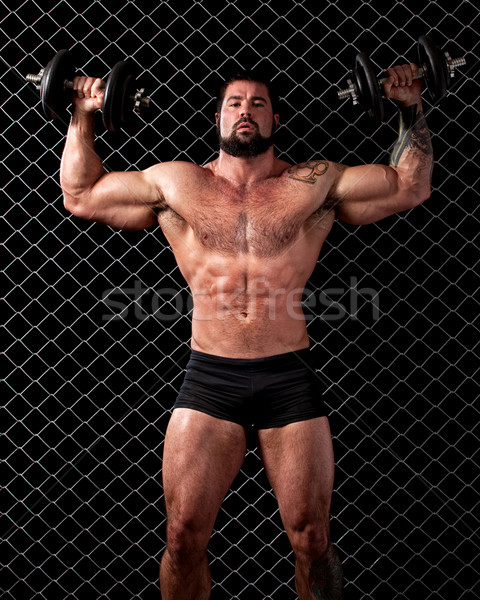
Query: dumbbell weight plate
119	92
52	86
370	95
431	58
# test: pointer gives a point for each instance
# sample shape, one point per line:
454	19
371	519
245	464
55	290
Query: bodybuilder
246	230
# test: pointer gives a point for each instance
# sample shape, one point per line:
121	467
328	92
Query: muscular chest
262	219
246	229
259	220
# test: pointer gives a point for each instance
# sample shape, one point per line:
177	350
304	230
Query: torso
246	252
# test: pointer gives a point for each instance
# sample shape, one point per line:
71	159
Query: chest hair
262	220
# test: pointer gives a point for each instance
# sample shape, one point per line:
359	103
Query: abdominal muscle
245	313
246	257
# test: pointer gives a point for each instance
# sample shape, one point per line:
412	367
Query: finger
414	69
78	85
97	87
403	75
387	83
393	75
87	87
408	74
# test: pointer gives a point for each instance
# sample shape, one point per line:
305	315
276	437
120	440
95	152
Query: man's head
246	115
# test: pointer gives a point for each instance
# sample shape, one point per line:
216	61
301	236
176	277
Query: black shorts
259	392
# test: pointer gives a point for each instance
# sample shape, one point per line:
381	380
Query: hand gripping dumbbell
56	79
435	67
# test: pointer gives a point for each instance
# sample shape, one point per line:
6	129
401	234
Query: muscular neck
244	170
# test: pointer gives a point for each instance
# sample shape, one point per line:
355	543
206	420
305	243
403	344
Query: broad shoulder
275	170
315	170
305	172
314	181
166	171
177	180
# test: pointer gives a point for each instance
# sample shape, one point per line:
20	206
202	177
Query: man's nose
245	111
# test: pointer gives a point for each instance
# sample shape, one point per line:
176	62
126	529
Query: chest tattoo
307	172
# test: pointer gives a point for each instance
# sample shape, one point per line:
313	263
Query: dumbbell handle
452	64
68	85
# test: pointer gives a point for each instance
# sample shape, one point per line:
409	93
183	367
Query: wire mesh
96	322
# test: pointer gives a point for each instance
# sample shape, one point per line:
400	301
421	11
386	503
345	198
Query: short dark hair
255	76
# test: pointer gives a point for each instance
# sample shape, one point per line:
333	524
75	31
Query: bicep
124	200
367	193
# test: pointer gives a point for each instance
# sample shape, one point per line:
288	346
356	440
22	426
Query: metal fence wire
95	321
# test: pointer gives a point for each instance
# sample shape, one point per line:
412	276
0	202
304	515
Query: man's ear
217	118
276	119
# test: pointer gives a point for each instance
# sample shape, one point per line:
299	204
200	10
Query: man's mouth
245	126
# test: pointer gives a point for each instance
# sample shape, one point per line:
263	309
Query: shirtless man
246	230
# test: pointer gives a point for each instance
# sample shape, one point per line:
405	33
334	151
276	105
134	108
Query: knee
309	540
187	541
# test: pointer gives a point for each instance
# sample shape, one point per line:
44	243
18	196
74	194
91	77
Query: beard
236	146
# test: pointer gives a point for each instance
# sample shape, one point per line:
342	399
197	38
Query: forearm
80	167
368	193
412	155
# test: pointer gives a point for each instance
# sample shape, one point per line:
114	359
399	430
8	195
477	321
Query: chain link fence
96	322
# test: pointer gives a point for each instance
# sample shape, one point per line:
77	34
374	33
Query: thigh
299	463
202	455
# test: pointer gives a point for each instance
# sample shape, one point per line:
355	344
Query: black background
87	397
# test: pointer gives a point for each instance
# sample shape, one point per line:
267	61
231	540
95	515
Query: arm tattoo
412	134
308	172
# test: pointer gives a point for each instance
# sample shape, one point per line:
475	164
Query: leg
202	456
298	460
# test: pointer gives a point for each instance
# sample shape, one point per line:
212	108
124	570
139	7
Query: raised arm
368	193
128	200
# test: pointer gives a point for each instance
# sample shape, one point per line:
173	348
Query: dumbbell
435	67
56	79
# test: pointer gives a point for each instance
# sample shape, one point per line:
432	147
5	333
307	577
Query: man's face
246	124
